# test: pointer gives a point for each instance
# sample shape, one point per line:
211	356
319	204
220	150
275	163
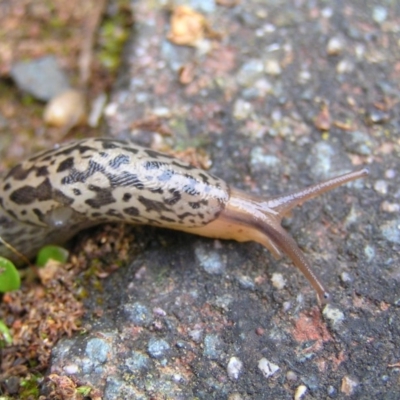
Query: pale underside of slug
55	194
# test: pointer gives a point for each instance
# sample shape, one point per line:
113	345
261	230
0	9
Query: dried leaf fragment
188	27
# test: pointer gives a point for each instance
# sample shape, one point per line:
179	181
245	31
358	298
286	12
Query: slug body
55	194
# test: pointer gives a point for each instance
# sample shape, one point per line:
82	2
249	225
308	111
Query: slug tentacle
247	217
51	196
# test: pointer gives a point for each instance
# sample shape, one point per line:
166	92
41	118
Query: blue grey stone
42	78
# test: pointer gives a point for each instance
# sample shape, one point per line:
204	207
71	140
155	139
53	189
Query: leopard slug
55	194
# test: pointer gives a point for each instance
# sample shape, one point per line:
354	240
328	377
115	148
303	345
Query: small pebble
196	335
390	173
374	116
234	368
344	67
379	14
345	277
42	78
359	142
391	231
235	396
381	186
67	109
158	348
210	260
71	369
260	160
369	252
212	346
291	376
138	362
273	68
278	280
390	207
250	72
334	46
300	392
242	109
138	314
267	367
348	385
334	315
331	391
304	76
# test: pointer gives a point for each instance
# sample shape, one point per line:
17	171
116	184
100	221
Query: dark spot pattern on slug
153	205
166	219
18	173
176	196
7	186
42	171
79	176
126	197
30	194
132	211
130	149
38	213
62	198
114	213
194	204
65	165
103	197
79	147
107	145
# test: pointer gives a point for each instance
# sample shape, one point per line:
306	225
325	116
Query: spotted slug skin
54	194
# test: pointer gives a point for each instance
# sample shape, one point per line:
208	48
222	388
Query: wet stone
138	314
97	350
391	231
213	347
138	362
359	143
42	78
210	260
158	348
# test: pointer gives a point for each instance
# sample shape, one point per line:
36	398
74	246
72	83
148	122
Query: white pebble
278	280
272	67
333	314
334	46
242	109
348	385
381	186
390	207
234	368
300	392
267	367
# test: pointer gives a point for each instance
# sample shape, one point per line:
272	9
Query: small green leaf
84	390
5	335
9	276
51	253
